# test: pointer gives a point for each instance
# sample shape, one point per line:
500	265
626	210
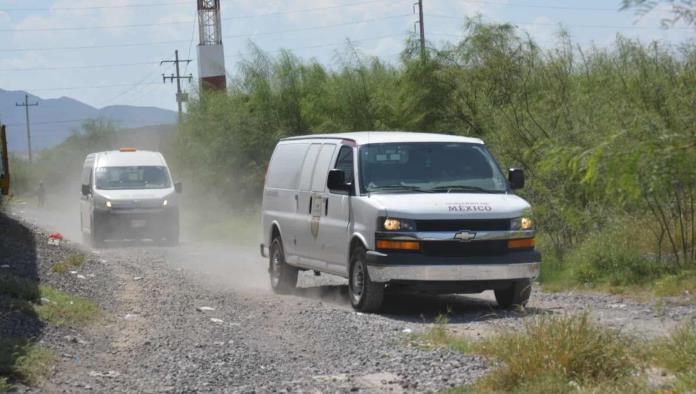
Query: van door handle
297	203
326	213
310	204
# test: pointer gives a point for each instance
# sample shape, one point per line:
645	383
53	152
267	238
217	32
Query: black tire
516	295
365	295
172	236
96	239
283	276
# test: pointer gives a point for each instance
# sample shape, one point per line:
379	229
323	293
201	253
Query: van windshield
434	167
132	177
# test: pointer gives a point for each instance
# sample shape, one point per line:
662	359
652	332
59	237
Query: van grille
463	249
137	204
457	225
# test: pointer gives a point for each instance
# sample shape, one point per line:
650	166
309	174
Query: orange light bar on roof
127	149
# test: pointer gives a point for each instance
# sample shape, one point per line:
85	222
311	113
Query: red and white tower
211	55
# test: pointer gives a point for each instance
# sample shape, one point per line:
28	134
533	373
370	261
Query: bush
557	354
618	255
677	353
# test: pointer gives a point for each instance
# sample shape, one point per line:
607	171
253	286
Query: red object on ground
55	236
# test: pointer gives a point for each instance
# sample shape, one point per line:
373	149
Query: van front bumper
383	267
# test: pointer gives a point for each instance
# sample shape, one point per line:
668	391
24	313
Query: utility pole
421	24
26	106
180	96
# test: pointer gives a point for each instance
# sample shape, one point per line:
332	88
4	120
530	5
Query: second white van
128	194
428	212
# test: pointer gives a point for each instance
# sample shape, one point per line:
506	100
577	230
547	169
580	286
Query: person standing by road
41	194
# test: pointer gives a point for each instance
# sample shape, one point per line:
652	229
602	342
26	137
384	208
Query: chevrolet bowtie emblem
465	236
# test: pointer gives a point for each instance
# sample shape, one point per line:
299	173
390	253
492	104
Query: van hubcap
358	282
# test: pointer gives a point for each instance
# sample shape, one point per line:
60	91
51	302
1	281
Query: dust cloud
218	244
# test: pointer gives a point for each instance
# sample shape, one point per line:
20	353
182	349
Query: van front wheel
283	275
365	295
517	294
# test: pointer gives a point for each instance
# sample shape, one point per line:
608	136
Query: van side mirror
516	178
178	187
85	190
337	181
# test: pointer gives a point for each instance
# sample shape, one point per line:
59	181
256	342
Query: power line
550	7
226	37
98	7
568	25
250	16
71	28
130	88
137	44
77	67
92	87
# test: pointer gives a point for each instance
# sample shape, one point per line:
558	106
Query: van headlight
522	223
108	204
394	224
165	202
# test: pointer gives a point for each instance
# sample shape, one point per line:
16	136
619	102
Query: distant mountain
55	119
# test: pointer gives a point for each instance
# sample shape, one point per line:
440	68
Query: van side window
321	170
345	162
308	166
283	171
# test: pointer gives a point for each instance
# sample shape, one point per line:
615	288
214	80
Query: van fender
270	234
355	238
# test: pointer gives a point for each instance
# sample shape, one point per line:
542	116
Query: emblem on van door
465	236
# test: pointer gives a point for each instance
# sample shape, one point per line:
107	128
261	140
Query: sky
108	52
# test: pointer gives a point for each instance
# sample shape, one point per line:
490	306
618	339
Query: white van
430	212
128	194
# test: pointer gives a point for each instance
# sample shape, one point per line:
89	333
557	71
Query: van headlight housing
394	224
522	223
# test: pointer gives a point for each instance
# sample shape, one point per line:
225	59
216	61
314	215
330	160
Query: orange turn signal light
527	243
398	245
127	150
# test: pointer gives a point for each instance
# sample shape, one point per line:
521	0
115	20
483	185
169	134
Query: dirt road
157	336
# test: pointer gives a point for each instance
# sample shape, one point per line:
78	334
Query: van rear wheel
517	294
283	276
365	295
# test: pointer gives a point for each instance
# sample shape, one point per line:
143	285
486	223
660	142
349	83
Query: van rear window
284	169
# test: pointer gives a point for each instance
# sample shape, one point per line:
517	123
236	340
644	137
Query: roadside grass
50	305
5	386
552	354
69	263
22	361
63	309
677	353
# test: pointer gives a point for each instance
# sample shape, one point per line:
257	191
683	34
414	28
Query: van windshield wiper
464	188
398	188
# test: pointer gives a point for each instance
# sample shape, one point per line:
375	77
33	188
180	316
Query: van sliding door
301	238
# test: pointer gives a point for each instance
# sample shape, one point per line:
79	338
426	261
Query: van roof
136	158
377	137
